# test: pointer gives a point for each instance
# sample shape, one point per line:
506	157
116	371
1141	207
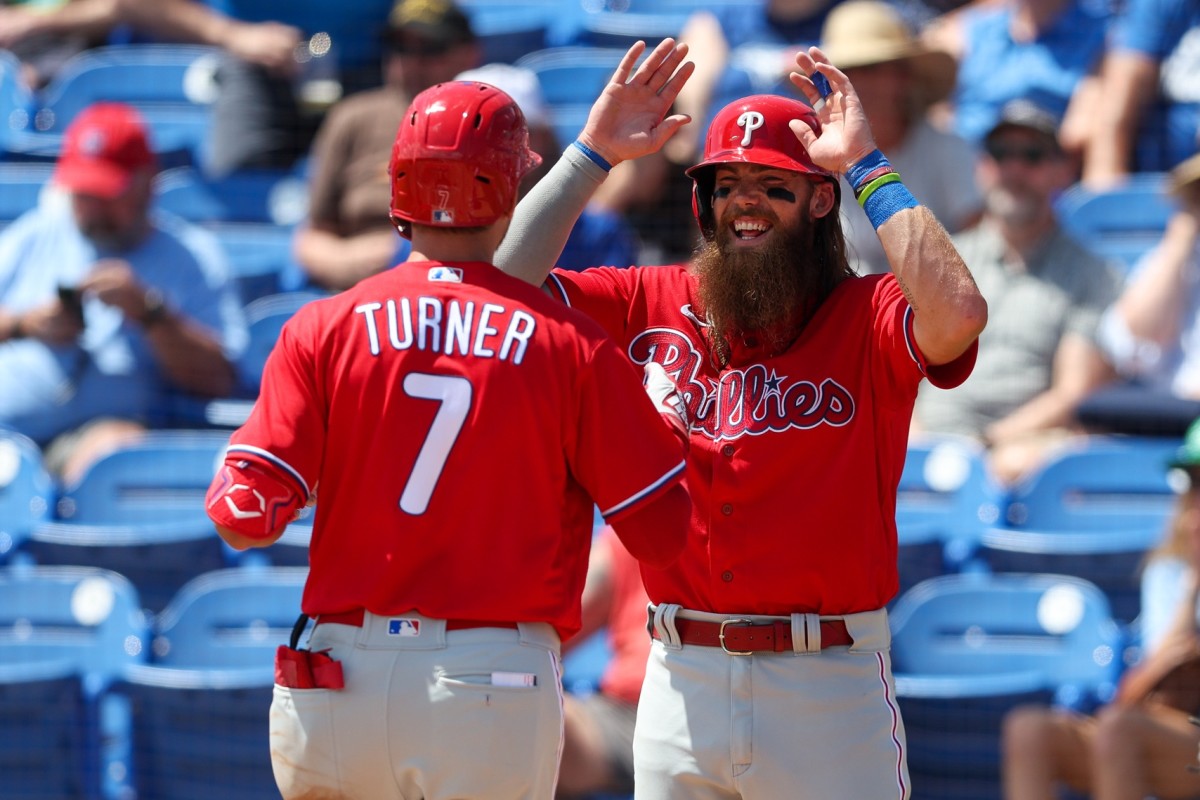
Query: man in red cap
104	304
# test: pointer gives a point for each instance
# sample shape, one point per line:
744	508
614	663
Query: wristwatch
154	308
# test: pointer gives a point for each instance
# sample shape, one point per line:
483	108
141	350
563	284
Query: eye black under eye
722	192
779	193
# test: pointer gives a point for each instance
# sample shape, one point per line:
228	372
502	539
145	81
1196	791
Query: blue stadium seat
278	197
199	710
65	634
27	492
17	104
139	511
968	648
266	317
572	75
23	186
943	501
229	619
1093	510
1122	223
507	30
172	85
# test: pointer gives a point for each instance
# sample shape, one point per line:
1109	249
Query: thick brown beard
757	290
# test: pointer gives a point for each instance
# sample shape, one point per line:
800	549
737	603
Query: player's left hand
629	119
666	399
845	136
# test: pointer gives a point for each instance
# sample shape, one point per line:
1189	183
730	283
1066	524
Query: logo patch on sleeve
404	626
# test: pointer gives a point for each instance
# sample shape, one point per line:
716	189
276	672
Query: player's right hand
629	119
665	396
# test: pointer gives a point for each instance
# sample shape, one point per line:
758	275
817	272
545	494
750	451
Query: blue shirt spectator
995	66
1165	33
104	305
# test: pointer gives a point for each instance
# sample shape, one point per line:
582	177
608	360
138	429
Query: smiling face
777	250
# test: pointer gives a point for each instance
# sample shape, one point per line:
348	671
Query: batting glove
665	396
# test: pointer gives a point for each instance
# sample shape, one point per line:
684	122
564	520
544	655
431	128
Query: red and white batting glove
665	396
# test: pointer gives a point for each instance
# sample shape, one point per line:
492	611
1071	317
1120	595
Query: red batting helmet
459	157
753	130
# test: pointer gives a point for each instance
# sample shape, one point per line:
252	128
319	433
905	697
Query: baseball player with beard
440	587
769	675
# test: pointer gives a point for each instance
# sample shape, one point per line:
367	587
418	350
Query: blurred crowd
992	110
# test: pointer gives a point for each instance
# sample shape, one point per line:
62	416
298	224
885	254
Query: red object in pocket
326	673
304	669
292	668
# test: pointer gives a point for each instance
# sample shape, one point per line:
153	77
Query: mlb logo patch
443	216
446	274
404	627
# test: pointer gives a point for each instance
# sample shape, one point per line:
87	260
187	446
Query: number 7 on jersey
453	395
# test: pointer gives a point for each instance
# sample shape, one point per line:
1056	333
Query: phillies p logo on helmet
753	130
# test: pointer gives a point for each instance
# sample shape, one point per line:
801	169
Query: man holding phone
105	304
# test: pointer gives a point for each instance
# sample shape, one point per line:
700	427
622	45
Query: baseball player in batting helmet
462	426
769	674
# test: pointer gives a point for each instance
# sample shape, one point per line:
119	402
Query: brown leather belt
741	637
355	617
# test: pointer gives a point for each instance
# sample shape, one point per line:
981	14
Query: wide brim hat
862	33
1184	175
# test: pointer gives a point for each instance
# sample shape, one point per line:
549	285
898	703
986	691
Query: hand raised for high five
845	136
629	118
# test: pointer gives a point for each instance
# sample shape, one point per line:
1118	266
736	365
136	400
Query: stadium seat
572	75
507	30
27	491
172	85
199	709
16	104
266	317
1093	510
65	634
23	186
1122	223
967	648
139	510
944	499
278	197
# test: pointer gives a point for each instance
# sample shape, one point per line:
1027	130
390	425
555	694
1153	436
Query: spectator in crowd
1038	356
1151	334
897	79
598	731
1141	743
1014	48
106	305
1147	114
741	50
348	235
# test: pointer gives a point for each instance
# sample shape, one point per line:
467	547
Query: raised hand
845	136
629	119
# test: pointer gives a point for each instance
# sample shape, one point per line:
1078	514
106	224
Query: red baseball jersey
457	425
794	458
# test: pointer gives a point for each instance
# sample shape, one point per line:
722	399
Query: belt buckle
721	636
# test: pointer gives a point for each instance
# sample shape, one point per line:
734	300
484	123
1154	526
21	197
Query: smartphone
71	302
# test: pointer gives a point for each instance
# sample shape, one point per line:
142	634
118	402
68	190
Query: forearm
179	20
1153	304
948	310
190	356
89	17
1128	85
339	262
545	216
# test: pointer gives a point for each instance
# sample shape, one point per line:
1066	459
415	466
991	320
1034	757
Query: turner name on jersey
447	325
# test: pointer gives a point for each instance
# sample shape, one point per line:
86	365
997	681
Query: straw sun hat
861	33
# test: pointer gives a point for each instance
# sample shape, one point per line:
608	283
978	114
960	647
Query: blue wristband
886	201
870	163
595	157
